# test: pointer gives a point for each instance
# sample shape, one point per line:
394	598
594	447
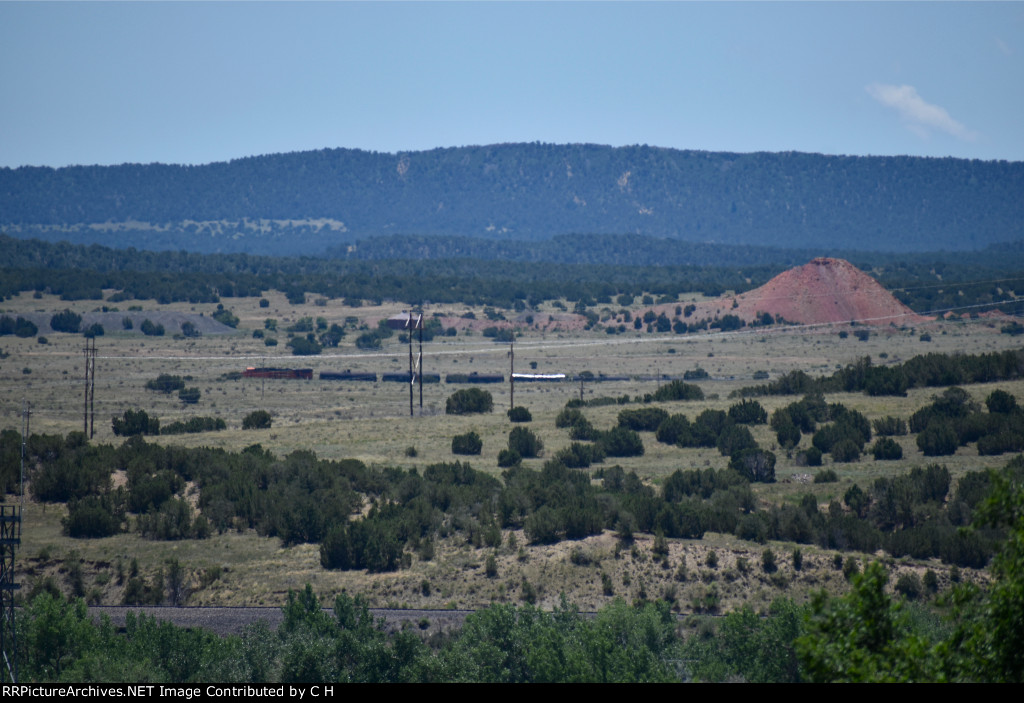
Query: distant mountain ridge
308	202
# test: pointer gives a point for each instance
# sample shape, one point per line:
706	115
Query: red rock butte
822	291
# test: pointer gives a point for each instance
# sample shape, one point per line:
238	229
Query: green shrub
66	321
225	317
93	516
580	456
909	586
826	476
189	396
469	443
755	465
508	457
886	449
151	329
748	412
938	439
524	442
845	451
620	442
642	419
194	425
469	400
134	422
166	383
257	420
519	414
889	426
811	457
304	346
678	390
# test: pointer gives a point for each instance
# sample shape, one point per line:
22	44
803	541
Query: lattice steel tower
10	538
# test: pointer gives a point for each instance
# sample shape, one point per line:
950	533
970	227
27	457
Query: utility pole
412	377
25	413
92	392
419	362
90	386
512	373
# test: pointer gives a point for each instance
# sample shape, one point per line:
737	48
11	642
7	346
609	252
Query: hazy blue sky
194	82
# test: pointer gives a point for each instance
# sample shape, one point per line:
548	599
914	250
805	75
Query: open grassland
371	422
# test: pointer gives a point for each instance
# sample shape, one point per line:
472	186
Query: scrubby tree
257	420
469	443
66	321
469	400
135	422
189	396
519	414
524	442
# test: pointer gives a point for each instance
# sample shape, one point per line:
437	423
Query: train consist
348	376
266	372
406	378
452	378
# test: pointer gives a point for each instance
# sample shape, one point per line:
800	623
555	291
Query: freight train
267	372
452	378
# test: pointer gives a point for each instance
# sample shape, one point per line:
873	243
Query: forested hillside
924	282
306	202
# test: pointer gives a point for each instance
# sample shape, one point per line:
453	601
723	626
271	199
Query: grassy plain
371	422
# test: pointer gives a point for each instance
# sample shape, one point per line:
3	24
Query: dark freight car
474	378
404	377
347	376
264	372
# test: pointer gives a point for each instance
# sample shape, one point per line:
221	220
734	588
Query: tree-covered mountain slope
311	201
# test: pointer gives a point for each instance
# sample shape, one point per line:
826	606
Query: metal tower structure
10	540
410	322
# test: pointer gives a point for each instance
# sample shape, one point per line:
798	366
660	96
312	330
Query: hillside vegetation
309	201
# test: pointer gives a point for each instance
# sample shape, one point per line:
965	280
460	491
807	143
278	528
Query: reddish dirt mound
826	290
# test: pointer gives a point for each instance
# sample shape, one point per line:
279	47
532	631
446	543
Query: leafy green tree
864	637
749	647
58	633
988	644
